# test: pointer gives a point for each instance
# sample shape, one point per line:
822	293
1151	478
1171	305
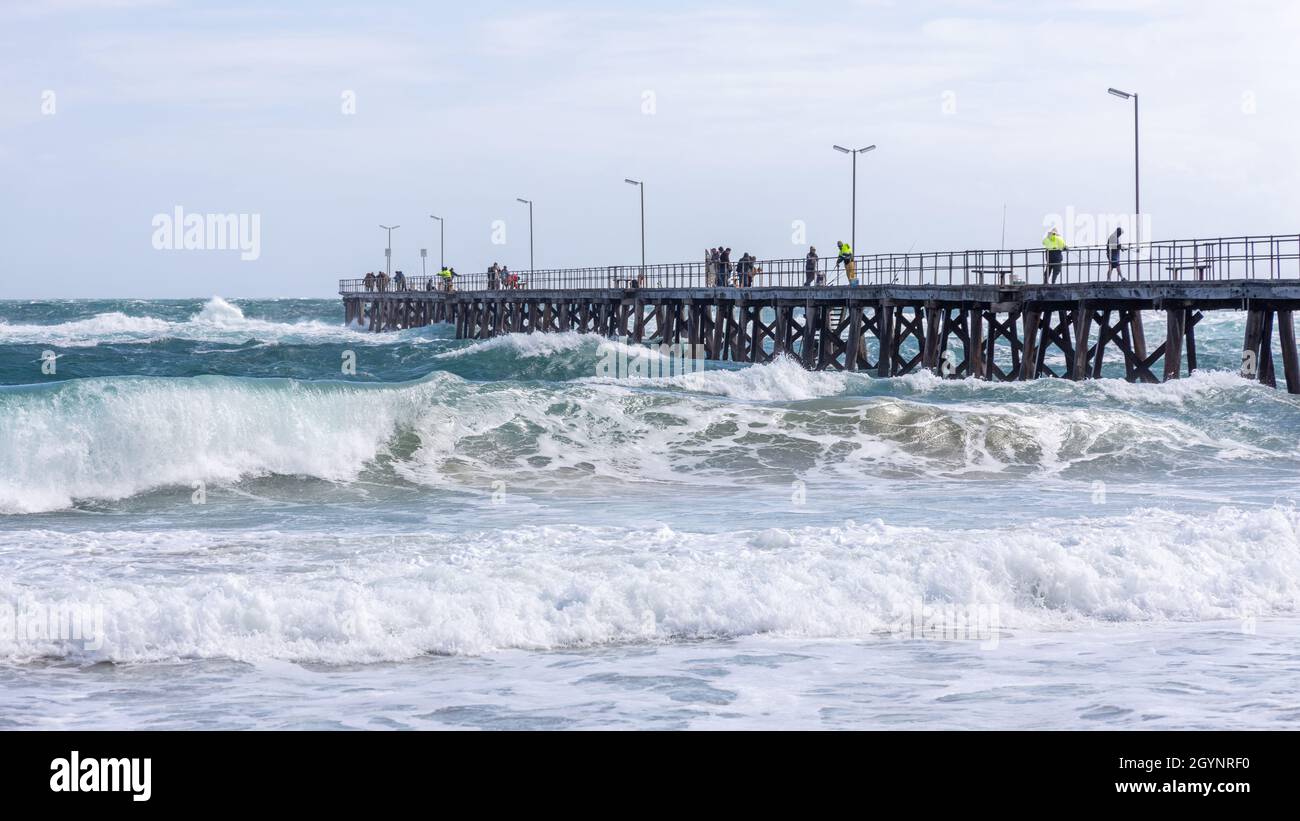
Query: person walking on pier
369	281
810	267
494	277
1113	249
1055	253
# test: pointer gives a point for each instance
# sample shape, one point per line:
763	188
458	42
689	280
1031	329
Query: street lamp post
442	241
1137	180
529	203
389	252
641	185
854	152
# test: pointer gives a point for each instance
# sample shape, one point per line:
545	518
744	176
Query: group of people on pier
499	278
813	273
380	281
720	269
721	272
1055	246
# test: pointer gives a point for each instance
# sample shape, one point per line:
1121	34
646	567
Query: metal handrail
1224	258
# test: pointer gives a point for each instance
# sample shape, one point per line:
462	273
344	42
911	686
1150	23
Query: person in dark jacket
745	270
810	267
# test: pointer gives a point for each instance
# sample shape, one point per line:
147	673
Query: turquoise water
492	533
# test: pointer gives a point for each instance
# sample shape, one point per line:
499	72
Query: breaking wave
217	321
552	587
112	438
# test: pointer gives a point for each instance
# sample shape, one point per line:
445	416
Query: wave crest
554	587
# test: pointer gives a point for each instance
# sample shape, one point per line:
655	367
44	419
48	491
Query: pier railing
1235	258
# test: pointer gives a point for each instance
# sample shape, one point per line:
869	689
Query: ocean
498	534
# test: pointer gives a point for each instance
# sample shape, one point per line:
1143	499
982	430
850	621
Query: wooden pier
1005	331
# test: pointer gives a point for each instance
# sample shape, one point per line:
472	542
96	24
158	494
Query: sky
320	121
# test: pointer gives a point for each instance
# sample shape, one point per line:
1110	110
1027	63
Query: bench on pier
1201	269
1002	274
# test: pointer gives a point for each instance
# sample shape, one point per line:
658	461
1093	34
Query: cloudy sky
326	119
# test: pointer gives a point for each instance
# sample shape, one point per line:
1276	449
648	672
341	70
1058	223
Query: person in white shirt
1113	249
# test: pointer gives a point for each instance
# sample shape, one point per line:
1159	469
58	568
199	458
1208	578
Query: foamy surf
218	320
112	439
253	520
544	588
109	439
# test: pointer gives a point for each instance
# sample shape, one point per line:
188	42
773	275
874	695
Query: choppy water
490	534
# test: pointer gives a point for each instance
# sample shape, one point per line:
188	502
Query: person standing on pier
725	259
715	267
399	281
810	267
1113	249
845	258
381	281
446	276
494	276
745	271
1055	253
369	280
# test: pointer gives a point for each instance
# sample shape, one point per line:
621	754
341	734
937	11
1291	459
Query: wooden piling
1290	357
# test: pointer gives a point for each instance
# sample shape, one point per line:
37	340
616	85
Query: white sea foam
782	380
548	587
526	346
114	438
217	321
114	326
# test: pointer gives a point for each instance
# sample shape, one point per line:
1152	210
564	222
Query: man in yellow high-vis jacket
845	258
1055	254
